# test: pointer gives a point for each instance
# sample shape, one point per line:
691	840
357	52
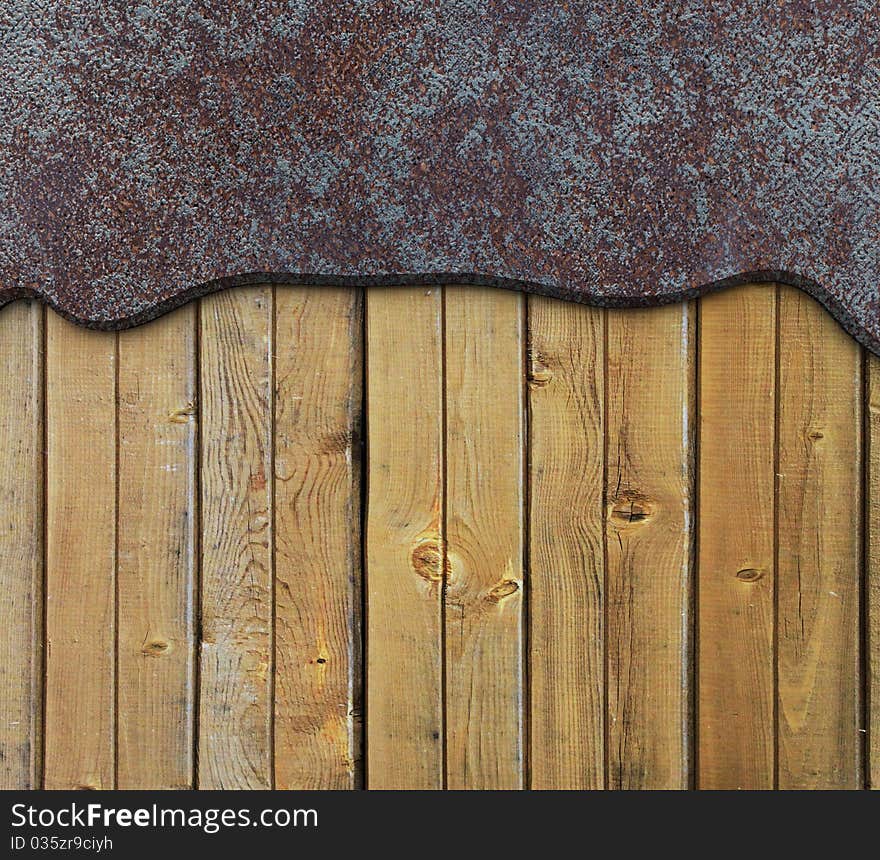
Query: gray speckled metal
621	153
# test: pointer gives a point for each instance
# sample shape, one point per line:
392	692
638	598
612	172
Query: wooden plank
485	520
317	537
158	518
566	532
81	488
404	538
649	478
819	549
872	568
236	661
21	545
736	539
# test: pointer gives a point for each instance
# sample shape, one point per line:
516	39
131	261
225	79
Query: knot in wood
428	561
155	648
337	442
183	415
630	509
501	590
539	374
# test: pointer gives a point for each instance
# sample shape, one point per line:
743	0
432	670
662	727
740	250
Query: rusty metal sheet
620	153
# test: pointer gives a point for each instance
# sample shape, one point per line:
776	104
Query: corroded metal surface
620	153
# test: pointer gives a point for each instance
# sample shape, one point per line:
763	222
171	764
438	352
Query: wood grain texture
183	502
735	636
21	546
872	569
158	553
566	565
317	527
649	472
237	641
485	538
81	485
818	548
405	549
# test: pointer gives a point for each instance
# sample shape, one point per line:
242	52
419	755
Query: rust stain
619	154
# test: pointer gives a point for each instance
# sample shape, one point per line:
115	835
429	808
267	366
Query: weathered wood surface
566	568
237	516
158	553
80	718
435	537
485	518
405	538
818	548
22	393
736	711
317	541
649	479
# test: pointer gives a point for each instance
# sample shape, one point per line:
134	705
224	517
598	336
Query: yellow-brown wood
237	637
405	550
158	553
735	623
527	574
872	570
485	538
649	412
317	550
566	565
818	548
81	485
21	545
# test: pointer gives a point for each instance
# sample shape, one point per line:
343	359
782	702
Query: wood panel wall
440	537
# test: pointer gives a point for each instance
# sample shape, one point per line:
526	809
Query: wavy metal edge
831	303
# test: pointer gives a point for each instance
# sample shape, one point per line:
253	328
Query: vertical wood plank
236	661
485	519
736	539
80	556
21	545
405	554
872	569
156	573
566	568
819	548
317	536
649	479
